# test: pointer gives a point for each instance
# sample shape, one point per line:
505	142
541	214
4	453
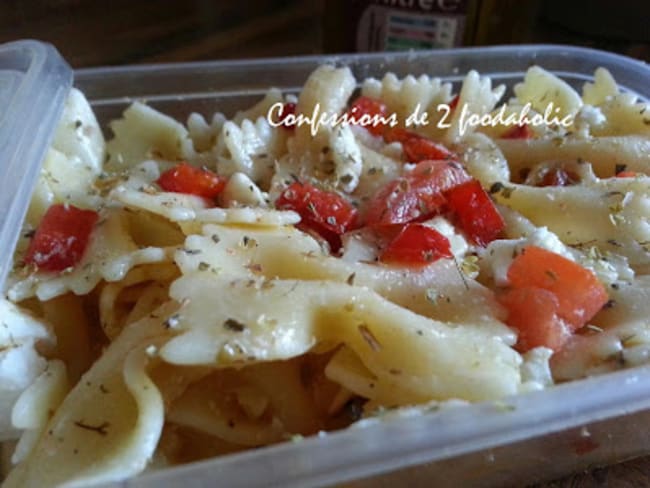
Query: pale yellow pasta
108	426
144	133
348	369
203	134
250	148
604	153
377	170
36	405
347	158
329	89
411	95
603	87
20	363
623	114
476	97
215	418
242	191
612	213
71	327
483	159
114	315
308	312
541	88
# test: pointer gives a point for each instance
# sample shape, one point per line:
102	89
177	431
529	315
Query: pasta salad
183	291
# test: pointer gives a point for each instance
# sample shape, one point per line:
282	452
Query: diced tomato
400	135
522	131
288	109
454	102
417	148
416	245
550	298
373	109
579	293
326	213
559	177
533	312
476	213
627	174
184	178
61	238
385	233
415	195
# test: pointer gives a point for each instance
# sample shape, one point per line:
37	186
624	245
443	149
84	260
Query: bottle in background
396	25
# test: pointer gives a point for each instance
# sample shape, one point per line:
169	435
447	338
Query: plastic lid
34	83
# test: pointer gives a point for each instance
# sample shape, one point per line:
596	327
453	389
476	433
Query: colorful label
402	25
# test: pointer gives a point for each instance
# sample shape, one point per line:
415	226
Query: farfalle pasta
248	280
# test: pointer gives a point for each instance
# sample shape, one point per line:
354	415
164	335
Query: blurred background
96	33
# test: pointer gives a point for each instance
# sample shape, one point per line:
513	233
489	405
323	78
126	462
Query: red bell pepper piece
416	245
372	108
288	109
418	148
61	237
476	213
184	178
416	195
326	213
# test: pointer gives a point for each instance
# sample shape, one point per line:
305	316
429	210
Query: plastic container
528	438
34	81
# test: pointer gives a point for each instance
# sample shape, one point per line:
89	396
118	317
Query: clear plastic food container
524	439
34	81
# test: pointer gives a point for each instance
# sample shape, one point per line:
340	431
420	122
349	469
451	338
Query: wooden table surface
94	33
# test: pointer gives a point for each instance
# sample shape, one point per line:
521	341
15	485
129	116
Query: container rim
32	108
523	49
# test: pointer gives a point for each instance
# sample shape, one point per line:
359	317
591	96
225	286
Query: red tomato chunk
61	238
374	110
326	213
288	109
418	148
476	213
184	178
533	312
550	298
580	295
415	195
416	245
